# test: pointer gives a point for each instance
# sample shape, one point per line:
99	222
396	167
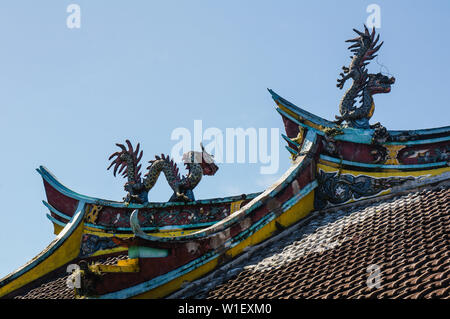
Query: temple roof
333	254
329	255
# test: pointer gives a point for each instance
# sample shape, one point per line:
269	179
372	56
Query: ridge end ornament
364	85
126	162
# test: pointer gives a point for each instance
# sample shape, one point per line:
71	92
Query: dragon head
379	83
203	158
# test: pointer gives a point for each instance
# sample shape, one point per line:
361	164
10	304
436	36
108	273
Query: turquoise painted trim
428	131
54	220
53	181
412	166
321	121
305	114
160	280
125	229
236	240
56	212
66	232
64	190
363	136
287	139
122	229
296	198
419	142
356	136
290	150
153	229
149	229
350	134
309	141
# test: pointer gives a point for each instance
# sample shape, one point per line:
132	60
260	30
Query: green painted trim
146	252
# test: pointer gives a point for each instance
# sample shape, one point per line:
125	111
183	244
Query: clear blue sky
139	69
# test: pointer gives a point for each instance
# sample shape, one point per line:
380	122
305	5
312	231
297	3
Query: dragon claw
183	197
339	120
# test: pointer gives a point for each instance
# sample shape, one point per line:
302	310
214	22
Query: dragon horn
353	40
137	148
122	147
358	32
112	155
110	165
115	168
366	31
130	147
373	33
374	43
378	46
139	157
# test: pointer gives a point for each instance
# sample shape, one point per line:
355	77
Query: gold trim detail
92	213
392	153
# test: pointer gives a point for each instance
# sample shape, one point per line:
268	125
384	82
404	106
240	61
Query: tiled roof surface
403	242
57	288
330	253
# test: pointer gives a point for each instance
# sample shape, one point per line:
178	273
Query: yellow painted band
301	119
128	265
333	167
69	250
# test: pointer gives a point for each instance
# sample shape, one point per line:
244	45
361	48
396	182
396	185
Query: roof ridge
208	282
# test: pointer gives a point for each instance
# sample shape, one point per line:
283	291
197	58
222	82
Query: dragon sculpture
364	85
126	163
